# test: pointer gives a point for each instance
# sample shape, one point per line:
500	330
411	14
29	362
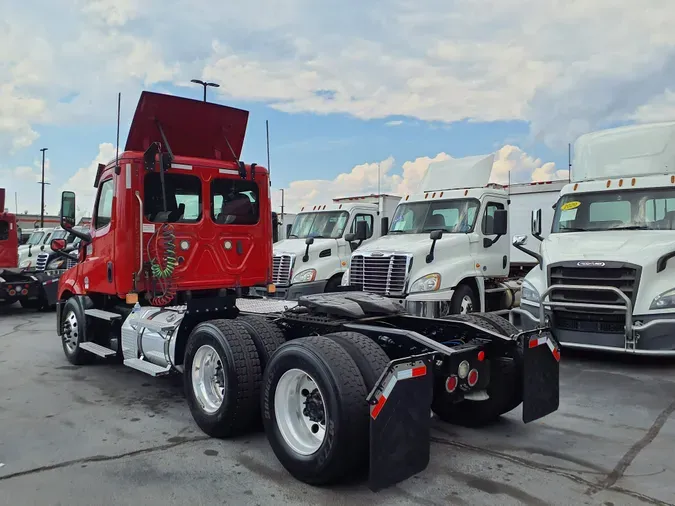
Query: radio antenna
569	162
117	146
267	129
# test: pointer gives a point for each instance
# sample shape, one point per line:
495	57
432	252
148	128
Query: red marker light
481	355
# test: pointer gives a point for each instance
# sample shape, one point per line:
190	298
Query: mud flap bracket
400	421
541	375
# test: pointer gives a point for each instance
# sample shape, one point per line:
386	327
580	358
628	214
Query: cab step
147	367
97	349
101	314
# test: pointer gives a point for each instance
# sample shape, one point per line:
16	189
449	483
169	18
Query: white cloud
396	122
82	182
563	67
363	178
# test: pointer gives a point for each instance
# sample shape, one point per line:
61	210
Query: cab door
97	266
491	260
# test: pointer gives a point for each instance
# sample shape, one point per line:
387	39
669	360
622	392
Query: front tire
464	301
315	411
222	378
73	333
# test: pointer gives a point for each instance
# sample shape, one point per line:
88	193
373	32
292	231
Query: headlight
304	276
428	283
664	301
25	264
56	264
528	292
345	278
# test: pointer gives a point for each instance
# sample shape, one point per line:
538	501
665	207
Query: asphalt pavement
105	434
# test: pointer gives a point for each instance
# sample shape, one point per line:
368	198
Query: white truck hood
636	246
298	246
416	244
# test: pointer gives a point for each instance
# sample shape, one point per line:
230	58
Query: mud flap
400	421
541	375
50	289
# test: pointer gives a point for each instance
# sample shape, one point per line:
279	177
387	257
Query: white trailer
606	271
448	248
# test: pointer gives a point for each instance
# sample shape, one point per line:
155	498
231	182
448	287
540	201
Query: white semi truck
315	254
605	278
448	249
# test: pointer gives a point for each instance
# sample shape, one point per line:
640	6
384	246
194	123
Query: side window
4	230
489	216
368	218
234	202
104	204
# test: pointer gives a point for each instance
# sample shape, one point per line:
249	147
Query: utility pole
204	84
42	182
282	206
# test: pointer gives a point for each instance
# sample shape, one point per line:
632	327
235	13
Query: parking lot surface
105	434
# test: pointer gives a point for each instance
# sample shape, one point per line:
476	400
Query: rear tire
222	378
310	380
73	333
502	389
366	354
266	336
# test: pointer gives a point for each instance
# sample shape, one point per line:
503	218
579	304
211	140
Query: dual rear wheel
310	392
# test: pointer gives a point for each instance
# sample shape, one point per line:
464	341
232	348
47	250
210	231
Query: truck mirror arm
531	253
309	241
434	236
487	242
85	236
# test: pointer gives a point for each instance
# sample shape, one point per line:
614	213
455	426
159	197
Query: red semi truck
9	236
343	382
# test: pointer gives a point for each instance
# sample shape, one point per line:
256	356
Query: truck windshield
36	238
649	209
326	225
453	216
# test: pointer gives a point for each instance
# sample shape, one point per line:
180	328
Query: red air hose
163	264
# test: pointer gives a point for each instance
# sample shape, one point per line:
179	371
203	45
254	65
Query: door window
104	204
234	202
488	218
368	219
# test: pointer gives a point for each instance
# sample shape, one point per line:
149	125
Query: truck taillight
473	378
451	384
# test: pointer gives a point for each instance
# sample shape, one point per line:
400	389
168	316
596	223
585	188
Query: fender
69	283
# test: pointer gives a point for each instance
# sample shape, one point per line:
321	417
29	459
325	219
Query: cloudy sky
348	87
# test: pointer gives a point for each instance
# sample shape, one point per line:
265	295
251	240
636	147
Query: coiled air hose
163	264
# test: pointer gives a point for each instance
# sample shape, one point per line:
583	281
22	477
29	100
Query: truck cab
316	253
446	247
604	279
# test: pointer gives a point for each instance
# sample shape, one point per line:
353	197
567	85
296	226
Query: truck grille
282	266
623	276
41	262
385	275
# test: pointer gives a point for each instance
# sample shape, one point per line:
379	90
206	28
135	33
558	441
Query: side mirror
436	235
519	240
58	244
67	210
361	231
309	241
350	237
536	224
500	222
384	225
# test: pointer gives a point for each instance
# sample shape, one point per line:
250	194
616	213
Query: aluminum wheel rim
300	412
208	379
467	305
71	332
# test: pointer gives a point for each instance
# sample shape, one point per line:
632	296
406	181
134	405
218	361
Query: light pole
42	182
204	84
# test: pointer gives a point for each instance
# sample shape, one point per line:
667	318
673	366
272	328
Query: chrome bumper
633	331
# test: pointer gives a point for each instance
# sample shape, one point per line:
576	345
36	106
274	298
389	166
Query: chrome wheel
208	379
466	305
71	332
300	412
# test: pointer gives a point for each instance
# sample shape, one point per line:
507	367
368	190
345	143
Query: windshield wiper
633	227
293	235
574	229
